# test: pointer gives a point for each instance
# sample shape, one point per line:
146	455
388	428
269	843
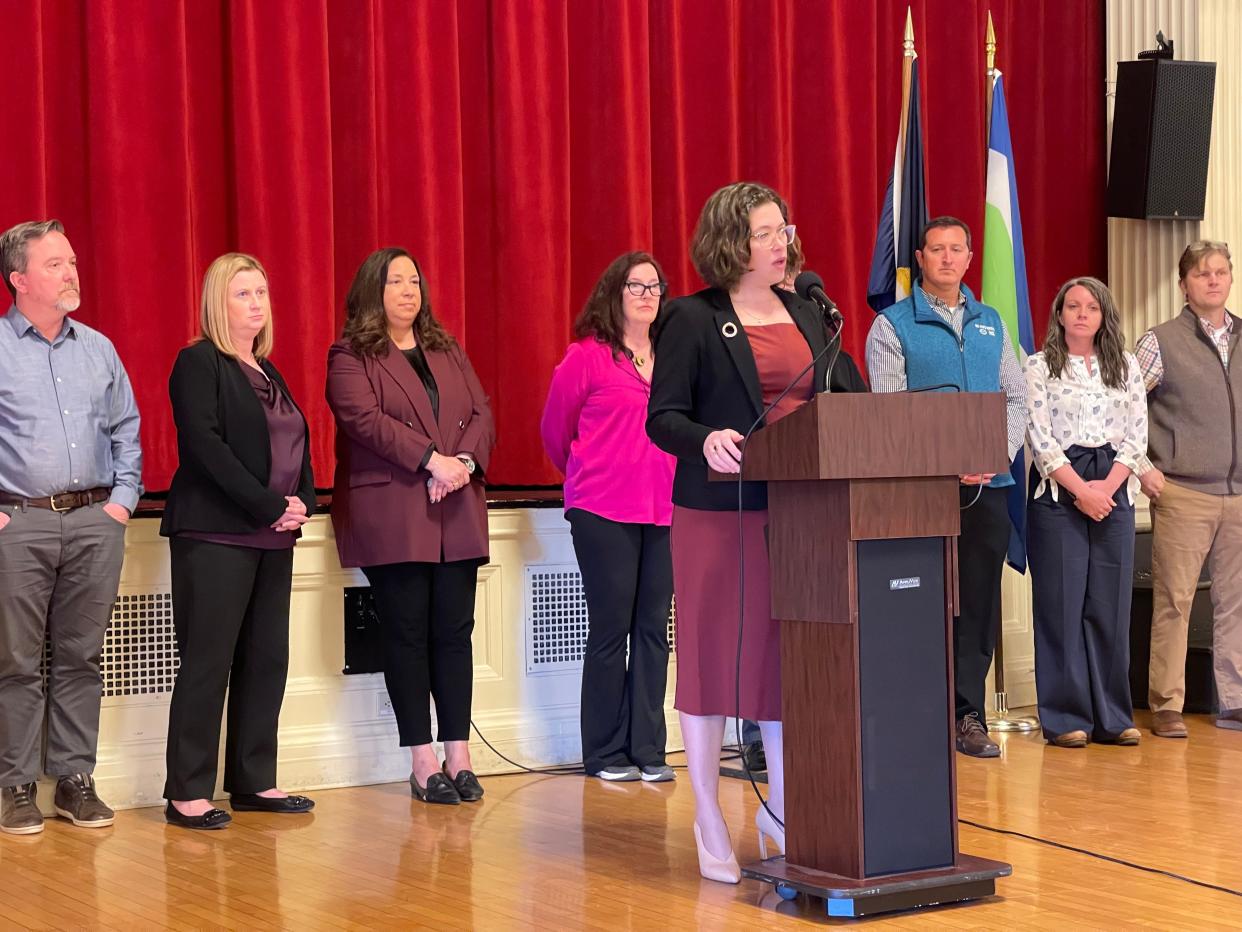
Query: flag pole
908	55
1000	719
989	46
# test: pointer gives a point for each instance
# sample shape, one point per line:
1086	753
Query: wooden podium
864	516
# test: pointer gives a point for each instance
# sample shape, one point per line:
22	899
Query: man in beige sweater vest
1194	481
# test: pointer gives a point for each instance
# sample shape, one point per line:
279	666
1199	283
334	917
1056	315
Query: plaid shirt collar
943	306
1216	335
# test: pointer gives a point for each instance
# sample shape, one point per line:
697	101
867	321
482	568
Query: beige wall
335	729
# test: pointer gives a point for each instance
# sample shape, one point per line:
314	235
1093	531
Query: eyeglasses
783	235
638	289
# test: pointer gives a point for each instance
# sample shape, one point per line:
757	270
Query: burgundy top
287	432
781	352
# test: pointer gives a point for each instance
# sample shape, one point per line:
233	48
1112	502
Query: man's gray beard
69	303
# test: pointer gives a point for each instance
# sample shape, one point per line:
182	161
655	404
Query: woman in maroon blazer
414	434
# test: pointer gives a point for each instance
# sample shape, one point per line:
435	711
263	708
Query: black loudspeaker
1162	127
907	765
1200	679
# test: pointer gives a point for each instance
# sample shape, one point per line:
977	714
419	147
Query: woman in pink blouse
618	501
1087	420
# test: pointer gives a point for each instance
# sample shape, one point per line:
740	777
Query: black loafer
211	819
437	790
466	784
252	802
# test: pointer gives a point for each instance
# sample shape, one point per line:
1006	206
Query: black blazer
224	448
705	379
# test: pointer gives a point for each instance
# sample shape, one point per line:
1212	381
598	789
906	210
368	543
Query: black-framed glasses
638	289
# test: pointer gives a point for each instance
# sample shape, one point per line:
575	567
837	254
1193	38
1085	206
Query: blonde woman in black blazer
242	490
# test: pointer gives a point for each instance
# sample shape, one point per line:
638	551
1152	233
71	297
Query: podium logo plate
906	582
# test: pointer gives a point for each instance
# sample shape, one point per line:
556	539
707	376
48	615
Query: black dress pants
981	560
231	615
426	614
627	577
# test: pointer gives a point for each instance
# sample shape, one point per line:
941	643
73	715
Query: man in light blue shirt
70	476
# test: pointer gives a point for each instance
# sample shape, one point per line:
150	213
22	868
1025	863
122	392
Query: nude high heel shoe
768	830
714	868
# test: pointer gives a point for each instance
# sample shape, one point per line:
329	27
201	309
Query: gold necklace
761	321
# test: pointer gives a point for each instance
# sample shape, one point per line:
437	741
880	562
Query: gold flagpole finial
990	45
908	42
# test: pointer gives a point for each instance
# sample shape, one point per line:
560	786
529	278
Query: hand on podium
722	452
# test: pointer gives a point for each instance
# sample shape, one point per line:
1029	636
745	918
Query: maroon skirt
705	580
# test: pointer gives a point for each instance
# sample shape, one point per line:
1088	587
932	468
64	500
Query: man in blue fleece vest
942	336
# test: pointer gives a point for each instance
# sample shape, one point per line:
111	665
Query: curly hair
366	325
602	316
1110	341
720	247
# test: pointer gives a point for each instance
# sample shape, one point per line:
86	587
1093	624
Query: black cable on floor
576	770
567	770
1103	857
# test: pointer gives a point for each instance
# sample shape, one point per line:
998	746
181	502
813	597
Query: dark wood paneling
823	756
865	436
809	549
885	508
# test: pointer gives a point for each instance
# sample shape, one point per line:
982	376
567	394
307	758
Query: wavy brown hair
1109	340
720	247
366	326
602	316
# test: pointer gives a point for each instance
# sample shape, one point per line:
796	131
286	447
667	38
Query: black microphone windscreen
805	282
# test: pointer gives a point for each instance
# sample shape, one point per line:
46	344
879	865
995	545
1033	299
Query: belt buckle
52	501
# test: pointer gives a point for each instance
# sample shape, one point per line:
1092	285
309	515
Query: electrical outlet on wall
383	705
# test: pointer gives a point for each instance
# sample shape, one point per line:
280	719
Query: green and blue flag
1004	284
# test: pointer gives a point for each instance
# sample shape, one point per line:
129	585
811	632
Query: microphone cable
834	341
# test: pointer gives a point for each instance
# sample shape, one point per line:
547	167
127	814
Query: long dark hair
366	326
602	316
1109	340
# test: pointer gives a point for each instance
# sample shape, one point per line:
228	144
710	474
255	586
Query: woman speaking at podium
722	356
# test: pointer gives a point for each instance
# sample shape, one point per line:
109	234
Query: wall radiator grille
556	619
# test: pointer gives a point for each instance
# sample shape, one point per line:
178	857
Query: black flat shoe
252	802
211	819
437	790
466	784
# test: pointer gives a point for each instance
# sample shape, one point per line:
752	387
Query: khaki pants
1187	527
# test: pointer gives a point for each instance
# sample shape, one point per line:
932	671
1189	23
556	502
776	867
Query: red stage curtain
515	146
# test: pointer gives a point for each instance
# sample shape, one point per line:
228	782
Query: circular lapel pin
729	329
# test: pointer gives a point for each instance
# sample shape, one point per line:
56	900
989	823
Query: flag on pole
1004	284
903	212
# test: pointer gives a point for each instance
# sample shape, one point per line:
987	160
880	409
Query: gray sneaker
77	801
618	774
658	773
19	815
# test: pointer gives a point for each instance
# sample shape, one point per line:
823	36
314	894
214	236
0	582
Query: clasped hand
1096	500
448	474
294	517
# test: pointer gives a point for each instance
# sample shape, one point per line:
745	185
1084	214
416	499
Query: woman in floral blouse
1087	420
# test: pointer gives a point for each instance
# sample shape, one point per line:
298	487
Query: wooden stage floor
566	853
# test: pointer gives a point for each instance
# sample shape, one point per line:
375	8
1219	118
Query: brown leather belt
62	501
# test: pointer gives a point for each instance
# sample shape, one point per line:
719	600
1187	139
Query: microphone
810	287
